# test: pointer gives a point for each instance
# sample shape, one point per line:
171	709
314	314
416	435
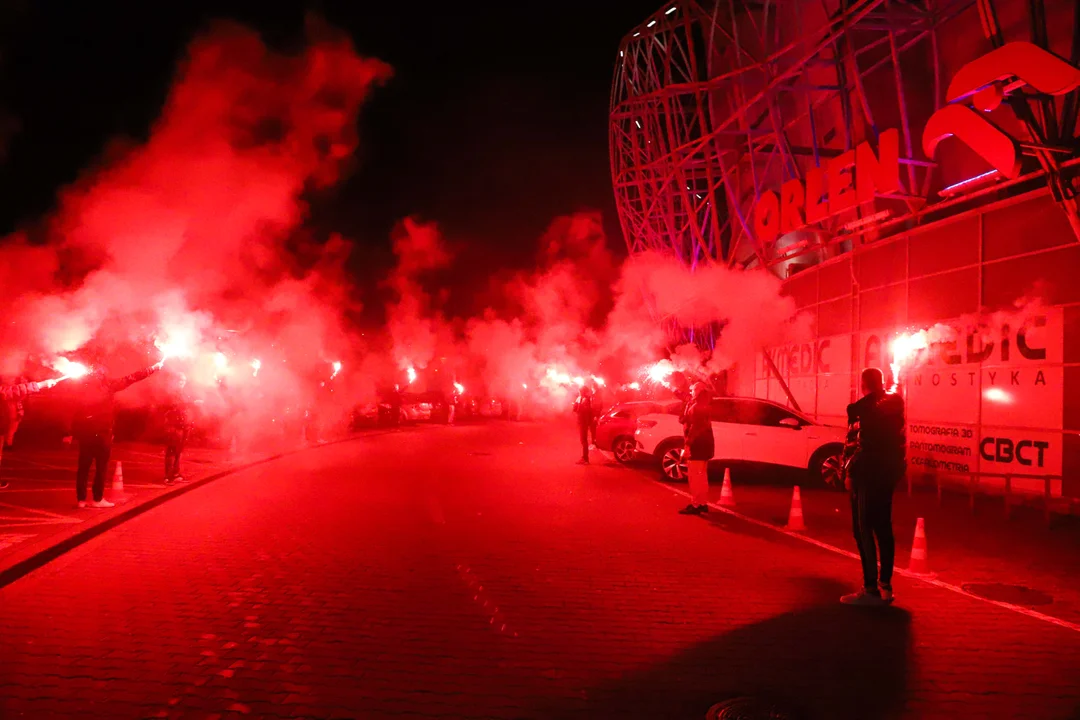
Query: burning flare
905	350
68	369
411	372
460	388
337	369
255	365
176	343
659	372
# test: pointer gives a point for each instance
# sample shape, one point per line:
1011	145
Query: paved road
475	572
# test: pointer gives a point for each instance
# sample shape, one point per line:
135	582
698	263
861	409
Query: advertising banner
817	372
984	399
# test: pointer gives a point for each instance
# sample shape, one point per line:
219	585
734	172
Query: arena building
908	169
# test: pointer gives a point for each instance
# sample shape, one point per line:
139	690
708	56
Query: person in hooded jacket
876	468
11	412
700	447
92	427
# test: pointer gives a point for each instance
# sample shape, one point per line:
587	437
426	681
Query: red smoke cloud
193	241
581	313
196	230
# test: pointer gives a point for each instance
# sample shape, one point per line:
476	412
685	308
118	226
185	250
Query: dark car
615	429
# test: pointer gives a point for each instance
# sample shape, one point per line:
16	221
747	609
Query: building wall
1000	393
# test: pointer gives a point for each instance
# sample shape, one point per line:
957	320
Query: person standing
177	427
700	447
876	468
12	411
92	427
584	409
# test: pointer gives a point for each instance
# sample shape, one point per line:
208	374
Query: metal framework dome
715	104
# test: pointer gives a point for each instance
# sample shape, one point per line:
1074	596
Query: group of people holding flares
93	423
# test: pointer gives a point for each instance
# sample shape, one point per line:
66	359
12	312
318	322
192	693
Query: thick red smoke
194	235
581	314
192	244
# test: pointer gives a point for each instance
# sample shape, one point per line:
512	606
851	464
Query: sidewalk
1019	560
38	510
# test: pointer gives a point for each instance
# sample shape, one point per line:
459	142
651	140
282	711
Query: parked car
752	431
487	407
615	428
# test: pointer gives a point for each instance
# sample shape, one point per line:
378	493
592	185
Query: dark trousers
95	450
871	519
174	445
583	431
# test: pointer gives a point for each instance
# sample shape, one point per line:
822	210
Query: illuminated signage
849	179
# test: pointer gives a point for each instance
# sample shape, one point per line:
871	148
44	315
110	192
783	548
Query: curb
39	559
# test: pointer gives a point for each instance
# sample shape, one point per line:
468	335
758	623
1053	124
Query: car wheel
673	463
624	449
826	465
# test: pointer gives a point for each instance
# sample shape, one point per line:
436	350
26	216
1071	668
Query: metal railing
972	483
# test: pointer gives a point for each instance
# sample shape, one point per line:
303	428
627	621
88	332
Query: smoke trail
194	232
580	314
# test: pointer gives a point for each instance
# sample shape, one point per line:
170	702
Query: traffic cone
727	499
795	517
920	562
117	494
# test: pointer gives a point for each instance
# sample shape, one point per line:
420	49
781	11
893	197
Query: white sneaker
179	478
103	503
863	597
81	504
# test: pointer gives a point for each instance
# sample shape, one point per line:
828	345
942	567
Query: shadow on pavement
825	662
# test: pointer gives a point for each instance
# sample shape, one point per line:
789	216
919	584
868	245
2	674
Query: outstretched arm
18	392
127	381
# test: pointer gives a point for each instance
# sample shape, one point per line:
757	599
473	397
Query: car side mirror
792	423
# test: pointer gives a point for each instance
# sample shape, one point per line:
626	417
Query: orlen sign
849	179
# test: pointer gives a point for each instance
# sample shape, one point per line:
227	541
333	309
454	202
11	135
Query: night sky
494	123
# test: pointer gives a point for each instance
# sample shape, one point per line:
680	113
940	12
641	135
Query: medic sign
847	180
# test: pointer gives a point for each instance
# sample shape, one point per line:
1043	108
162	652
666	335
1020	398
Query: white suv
748	430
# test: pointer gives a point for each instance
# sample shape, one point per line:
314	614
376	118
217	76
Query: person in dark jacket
876	468
177	426
586	412
700	447
11	412
92	427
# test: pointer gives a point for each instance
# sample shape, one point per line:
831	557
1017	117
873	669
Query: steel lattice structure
713	104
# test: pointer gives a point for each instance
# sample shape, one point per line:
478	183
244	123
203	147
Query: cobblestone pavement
476	572
38	509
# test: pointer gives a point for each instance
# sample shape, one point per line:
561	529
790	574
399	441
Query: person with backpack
875	469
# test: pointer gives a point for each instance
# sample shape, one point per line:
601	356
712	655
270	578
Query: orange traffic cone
117	494
795	517
727	499
920	563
